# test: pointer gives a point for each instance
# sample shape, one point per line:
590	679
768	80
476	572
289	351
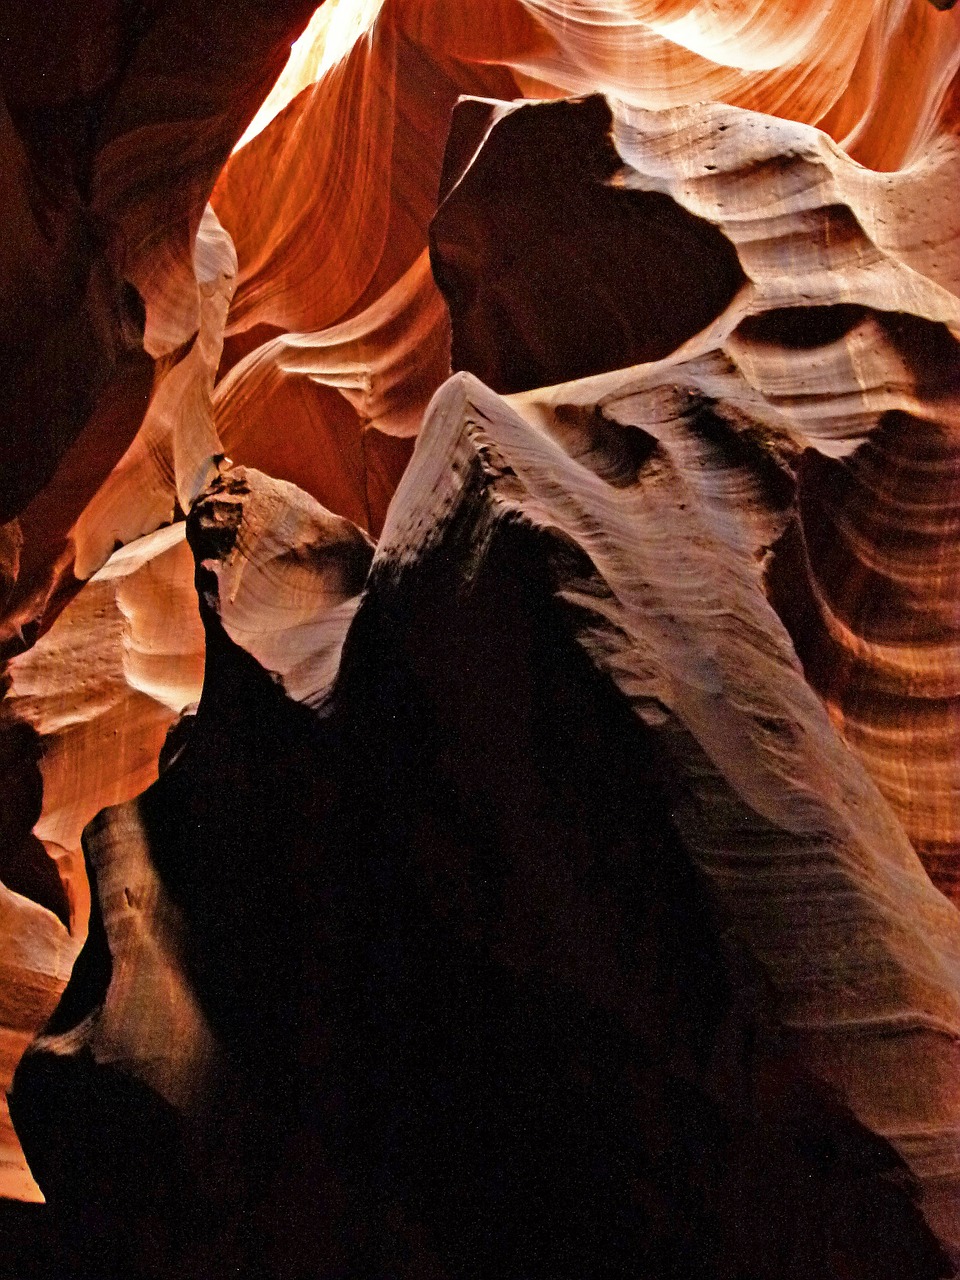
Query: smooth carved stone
321	247
134	1049
81	726
115	124
842	343
329	205
498	862
575	271
355	392
370	932
71	327
337	327
282	575
88	705
876	78
105	181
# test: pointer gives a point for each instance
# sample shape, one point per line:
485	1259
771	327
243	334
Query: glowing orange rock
98	265
96	694
852	350
762	507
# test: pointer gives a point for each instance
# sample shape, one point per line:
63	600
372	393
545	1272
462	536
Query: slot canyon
480	640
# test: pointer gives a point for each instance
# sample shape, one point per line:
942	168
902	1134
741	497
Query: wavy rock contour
563	884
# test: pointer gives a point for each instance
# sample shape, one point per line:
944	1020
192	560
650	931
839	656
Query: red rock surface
652	683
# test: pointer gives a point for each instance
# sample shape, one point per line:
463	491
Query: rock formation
480	719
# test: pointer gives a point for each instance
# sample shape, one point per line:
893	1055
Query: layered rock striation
479	724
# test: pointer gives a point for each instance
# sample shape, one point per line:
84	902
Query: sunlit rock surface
525	1037
562	883
85	715
850	364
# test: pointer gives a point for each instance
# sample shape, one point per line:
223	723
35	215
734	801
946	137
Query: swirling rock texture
479	590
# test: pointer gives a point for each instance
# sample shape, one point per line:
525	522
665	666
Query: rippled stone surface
546	866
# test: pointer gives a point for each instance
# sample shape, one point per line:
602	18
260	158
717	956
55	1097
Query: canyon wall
479	596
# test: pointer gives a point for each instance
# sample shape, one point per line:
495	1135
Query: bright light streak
330	35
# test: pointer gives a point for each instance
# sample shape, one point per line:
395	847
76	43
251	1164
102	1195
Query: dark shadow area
25	865
480	1019
552	270
801	328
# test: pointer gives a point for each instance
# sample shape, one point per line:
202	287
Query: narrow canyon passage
480	639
